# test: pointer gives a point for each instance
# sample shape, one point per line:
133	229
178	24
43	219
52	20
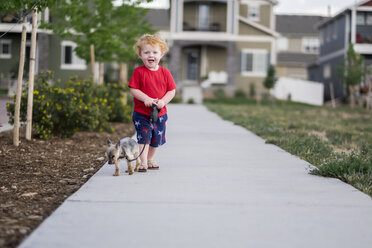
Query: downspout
353	24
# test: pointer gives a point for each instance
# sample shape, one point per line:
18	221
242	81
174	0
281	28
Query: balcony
205	16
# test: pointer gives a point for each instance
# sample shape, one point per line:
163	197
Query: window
70	61
282	44
310	44
254	12
360	19
204	10
5	49
254	62
369	19
327	71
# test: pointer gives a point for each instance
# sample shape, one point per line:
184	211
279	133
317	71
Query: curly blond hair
150	39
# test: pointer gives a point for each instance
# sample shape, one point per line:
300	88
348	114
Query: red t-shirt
155	84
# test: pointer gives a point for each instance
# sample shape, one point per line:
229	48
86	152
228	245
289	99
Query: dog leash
154	116
131	160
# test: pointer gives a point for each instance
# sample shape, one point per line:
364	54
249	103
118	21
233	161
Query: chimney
329	11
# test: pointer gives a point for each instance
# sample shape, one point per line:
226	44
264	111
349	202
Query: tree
110	29
24	7
352	72
270	79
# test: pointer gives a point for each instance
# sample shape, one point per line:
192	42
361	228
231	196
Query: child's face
150	56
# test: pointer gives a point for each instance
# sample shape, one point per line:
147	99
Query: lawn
338	141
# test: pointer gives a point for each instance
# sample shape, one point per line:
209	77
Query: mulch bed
37	176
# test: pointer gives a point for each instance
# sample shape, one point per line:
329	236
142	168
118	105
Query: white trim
364	8
353	24
272	18
46	15
208	36
243	62
232	14
7	55
363	48
347	31
260	27
74	58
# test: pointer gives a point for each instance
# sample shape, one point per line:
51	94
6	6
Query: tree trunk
19	84
123	74
101	72
332	90
31	76
352	97
92	61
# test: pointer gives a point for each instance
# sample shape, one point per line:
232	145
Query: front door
192	65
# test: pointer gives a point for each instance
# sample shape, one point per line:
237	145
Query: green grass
338	141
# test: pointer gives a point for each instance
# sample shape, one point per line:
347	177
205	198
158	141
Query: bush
239	93
219	93
61	110
252	90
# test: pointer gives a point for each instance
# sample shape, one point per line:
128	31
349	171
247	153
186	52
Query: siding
245	29
8	65
55	62
216	59
333	43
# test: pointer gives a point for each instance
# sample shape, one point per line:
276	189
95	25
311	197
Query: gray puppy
125	148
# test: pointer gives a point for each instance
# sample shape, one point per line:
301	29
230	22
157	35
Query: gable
246	29
369	3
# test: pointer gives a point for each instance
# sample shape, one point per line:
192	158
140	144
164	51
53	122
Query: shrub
219	93
77	105
239	93
252	90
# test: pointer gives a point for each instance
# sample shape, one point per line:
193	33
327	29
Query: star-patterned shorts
150	133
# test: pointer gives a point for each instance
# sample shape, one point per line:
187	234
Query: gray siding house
351	25
52	52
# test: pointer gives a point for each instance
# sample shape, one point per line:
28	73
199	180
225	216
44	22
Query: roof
297	24
347	9
296	58
159	18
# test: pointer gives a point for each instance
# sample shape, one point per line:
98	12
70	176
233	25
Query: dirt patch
37	176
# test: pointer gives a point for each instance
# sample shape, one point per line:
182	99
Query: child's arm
138	94
166	99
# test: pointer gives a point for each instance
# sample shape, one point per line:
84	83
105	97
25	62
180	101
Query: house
52	52
221	37
351	25
298	44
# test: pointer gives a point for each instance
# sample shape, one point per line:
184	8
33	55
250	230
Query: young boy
150	84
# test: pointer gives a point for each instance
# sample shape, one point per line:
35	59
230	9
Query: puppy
126	148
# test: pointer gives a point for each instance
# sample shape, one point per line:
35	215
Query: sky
310	7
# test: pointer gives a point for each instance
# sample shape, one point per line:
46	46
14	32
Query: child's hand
160	104
149	101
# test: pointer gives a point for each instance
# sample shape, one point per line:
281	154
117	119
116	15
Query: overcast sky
313	7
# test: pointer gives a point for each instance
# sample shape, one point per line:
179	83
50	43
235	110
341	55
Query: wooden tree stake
19	84
31	76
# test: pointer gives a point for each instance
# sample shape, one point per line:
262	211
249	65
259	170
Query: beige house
225	42
298	44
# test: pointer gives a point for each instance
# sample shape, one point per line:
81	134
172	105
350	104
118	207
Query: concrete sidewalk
218	185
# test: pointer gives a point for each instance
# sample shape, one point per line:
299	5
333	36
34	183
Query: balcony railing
364	38
212	27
